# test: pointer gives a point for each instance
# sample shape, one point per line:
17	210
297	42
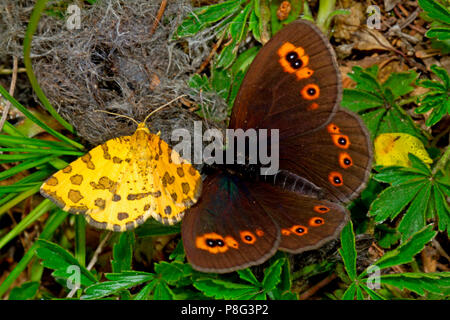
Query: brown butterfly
325	156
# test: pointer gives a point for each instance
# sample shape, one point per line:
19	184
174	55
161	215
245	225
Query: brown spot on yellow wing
104	183
185	186
116	198
67	169
99	202
74	195
76	179
52	181
117	160
87	158
180	172
106	154
122	216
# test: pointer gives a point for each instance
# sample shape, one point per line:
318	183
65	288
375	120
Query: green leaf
123	252
420	283
435	10
65	265
414	218
206	16
348	250
442	209
400	83
373	295
120	282
393	200
358	100
272	274
26	291
154	228
405	252
441	33
174	271
442	74
221	289
162	291
247	275
349	294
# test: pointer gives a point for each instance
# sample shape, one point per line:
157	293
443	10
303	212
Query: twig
311	291
12	86
211	54
161	10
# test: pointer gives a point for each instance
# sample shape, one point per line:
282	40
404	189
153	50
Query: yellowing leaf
119	184
391	149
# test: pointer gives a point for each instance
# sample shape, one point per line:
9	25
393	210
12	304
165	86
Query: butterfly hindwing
305	223
227	229
336	158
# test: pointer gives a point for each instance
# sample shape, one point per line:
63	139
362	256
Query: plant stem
326	7
442	161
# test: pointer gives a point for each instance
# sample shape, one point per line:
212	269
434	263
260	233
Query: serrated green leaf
62	262
442	74
123	252
120	282
162	291
393	200
442	209
221	289
420	283
349	294
348	250
26	291
366	79
414	218
405	252
247	275
206	16
272	274
435	10
357	100
400	83
174	271
372	293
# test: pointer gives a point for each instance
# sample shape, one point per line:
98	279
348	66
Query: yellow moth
120	183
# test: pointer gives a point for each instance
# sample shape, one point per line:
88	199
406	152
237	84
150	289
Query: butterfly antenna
163	106
119	115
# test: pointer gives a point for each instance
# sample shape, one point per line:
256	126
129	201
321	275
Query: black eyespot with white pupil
311	91
220	243
300	230
347	161
211	243
291	56
342	141
337	180
248	238
318	221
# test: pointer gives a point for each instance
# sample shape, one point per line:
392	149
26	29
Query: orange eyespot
341	141
332	128
313	106
212	242
345	161
247	237
335	179
299	230
259	232
321	209
310	91
316	222
285	232
294	60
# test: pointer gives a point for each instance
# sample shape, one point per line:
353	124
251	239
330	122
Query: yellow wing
122	182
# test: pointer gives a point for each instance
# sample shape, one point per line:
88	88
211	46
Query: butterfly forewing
293	78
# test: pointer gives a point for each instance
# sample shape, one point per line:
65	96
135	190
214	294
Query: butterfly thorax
142	143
